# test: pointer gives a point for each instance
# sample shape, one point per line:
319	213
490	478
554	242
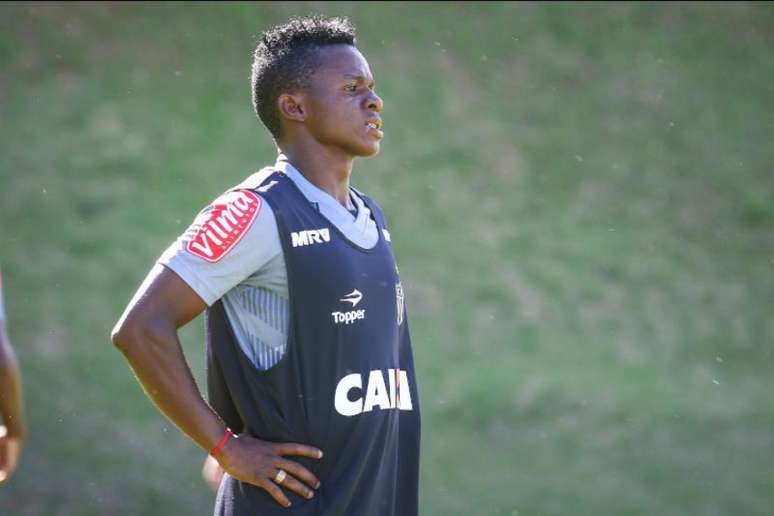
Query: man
308	352
11	417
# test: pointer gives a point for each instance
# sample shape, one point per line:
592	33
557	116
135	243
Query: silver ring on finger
280	476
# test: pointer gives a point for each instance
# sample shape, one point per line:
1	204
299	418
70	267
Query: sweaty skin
324	128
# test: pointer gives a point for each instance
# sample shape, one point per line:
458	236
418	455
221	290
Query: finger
298	471
297	487
299	449
275	492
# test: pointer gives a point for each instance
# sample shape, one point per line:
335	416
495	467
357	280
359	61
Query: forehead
339	62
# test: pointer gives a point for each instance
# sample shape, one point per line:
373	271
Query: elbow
126	334
120	336
139	332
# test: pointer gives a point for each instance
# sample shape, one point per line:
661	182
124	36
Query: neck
327	170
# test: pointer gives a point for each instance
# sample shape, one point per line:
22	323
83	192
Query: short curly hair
287	56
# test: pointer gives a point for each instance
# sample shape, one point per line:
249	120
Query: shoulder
239	206
256	180
229	240
239	212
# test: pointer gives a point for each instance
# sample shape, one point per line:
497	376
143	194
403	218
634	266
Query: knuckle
299	471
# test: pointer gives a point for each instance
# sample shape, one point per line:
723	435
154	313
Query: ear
291	107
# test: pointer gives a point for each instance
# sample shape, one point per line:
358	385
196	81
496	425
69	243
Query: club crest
399	302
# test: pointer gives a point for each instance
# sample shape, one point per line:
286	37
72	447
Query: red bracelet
223	440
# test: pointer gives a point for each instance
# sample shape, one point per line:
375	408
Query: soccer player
313	407
11	417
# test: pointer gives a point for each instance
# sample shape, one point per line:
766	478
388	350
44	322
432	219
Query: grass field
581	198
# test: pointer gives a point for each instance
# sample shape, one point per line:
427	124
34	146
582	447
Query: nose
374	102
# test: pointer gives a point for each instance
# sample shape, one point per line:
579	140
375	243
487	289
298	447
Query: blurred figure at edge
11	417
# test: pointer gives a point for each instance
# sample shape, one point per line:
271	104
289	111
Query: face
342	107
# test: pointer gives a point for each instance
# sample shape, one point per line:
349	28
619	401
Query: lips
374	128
374	123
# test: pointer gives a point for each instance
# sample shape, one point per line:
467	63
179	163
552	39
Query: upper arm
214	254
228	241
163	299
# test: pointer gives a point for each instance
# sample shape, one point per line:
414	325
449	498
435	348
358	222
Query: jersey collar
355	228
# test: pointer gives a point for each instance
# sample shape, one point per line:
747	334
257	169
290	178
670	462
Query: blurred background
581	198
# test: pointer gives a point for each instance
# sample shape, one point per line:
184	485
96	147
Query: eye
351	88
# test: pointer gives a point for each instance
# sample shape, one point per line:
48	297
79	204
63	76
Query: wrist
218	448
230	452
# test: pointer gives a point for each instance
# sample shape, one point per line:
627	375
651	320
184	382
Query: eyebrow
357	77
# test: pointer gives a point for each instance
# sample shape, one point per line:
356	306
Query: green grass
590	294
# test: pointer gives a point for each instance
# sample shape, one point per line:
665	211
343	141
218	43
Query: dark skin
11	416
324	129
325	126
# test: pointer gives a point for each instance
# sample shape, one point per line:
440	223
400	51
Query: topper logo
350	317
224	224
310	236
393	394
353	297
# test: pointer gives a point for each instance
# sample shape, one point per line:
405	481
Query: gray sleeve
212	274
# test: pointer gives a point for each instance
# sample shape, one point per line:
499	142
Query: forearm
11	412
156	357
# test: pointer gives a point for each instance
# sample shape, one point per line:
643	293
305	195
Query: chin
361	149
369	151
373	152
